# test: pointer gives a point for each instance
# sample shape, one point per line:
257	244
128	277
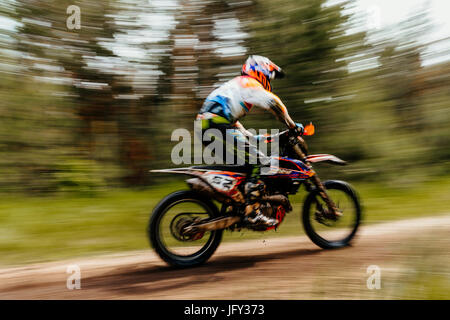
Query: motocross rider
224	107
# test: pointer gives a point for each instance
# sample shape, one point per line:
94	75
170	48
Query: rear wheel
323	228
169	225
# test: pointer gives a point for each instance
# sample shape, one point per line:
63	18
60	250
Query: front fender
325	158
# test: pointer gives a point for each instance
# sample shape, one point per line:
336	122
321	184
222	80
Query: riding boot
254	189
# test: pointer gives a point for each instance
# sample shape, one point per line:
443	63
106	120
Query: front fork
318	184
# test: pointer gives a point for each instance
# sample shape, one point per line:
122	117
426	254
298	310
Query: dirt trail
280	268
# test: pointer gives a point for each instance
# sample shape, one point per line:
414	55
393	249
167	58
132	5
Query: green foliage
78	175
109	95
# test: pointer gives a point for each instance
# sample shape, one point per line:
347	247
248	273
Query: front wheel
323	228
169	222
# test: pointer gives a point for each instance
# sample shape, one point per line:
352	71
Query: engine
273	210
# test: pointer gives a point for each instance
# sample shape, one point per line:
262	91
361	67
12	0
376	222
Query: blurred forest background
84	114
94	109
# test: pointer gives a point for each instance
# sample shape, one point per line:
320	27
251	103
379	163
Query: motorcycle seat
231	167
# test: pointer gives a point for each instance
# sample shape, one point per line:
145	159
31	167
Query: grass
36	229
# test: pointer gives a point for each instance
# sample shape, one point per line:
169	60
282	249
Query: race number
221	183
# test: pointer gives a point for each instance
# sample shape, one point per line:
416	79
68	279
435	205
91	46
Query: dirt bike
186	227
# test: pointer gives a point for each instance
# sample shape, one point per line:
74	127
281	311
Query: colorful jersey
235	98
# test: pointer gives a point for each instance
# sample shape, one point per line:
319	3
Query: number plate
221	182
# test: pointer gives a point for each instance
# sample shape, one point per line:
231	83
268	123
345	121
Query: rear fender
220	185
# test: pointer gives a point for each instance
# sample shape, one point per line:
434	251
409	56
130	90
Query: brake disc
324	217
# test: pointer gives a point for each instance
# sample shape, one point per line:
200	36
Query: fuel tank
288	168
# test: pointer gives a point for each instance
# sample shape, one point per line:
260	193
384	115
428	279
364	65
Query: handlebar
297	142
294	138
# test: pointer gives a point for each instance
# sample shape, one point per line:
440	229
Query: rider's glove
299	128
